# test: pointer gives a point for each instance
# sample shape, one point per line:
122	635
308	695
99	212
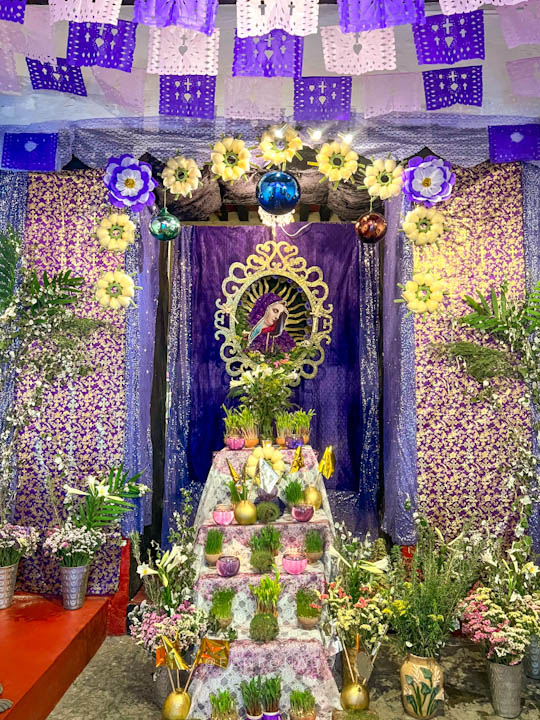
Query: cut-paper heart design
311	88
434	28
99	41
516	137
187	96
269	53
322	99
357	47
30	145
182	49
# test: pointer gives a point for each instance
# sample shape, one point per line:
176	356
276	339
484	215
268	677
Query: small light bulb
278	132
316	135
348	138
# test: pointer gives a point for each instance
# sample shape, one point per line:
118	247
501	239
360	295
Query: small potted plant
271	695
313	546
293	493
247	425
268	538
308	608
222	606
302	424
302	705
233	437
267	594
252	697
213	546
261	561
284	427
267	512
16	542
263	628
223	706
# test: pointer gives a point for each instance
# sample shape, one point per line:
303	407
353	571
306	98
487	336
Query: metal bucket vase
8	576
531	660
421	686
74	582
505	684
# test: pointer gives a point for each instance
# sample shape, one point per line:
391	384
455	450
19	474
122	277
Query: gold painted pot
305	438
352	654
312	497
176	706
280	441
251	442
245	513
421	686
355	697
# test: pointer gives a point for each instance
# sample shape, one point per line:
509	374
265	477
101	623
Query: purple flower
428	180
129	183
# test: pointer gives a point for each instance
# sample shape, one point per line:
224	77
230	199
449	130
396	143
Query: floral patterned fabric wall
80	428
463	445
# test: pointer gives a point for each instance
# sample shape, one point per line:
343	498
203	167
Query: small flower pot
421	686
228	565
505	682
280	441
302	513
294	563
224	622
251	442
294	441
253	717
305	438
211	558
235	442
271	715
314	557
8	577
308	623
223	514
74	581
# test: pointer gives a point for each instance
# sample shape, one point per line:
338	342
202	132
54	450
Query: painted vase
421	686
531	660
505	682
294	441
302	512
251	442
294	563
312	496
74	582
8	577
228	565
245	513
235	442
354	697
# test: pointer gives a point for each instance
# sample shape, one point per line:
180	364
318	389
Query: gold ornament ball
176	706
355	697
245	513
312	497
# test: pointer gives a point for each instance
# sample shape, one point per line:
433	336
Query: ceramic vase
228	565
308	623
234	442
355	697
505	684
271	715
294	563
251	442
314	557
8	577
245	513
531	660
74	581
294	441
421	686
313	497
211	558
176	706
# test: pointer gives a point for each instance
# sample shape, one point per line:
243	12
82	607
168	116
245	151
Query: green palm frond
52	292
532	308
490	314
10	245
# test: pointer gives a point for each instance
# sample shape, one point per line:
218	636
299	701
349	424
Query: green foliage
293	492
252	695
105	511
51	293
267	593
10	245
302	421
271	693
493	314
223	705
379	551
263	627
301	702
262	560
214	542
237	495
268	538
305	600
267	512
284	424
481	362
231	421
222	603
313	541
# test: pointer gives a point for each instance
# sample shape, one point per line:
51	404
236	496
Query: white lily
74	491
145	569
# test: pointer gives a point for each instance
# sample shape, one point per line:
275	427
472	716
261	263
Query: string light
315	135
347	138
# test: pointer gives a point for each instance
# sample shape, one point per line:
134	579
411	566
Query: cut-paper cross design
244	99
97	11
110	46
187	95
443	40
61	77
520	25
197	15
402	92
12	10
524	76
259	18
361	15
30	151
509	143
444	88
322	98
358	53
276	54
174	49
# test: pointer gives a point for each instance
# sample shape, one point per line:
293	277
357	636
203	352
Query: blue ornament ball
164	226
278	192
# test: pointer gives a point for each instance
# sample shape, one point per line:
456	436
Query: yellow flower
337	162
181	176
115	290
424	226
279	146
230	159
383	178
424	293
115	232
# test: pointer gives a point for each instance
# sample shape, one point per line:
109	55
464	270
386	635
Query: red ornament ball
371	227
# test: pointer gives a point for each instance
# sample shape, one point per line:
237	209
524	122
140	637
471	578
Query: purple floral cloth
292	532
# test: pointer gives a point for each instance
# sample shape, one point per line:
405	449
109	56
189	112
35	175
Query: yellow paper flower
115	232
424	293
230	159
273	455
383	178
279	146
181	176
423	226
337	162
115	290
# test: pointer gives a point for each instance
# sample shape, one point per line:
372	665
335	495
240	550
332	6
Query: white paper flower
424	293
337	162
181	176
230	159
115	290
115	232
423	226
279	146
383	178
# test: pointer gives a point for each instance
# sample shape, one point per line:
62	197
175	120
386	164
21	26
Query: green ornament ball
164	226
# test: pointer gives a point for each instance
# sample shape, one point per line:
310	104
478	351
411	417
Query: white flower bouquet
73	546
16	541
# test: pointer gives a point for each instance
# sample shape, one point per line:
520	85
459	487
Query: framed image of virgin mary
273	307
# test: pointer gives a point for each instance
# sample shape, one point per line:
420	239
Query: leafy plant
301	702
214	542
481	362
313	541
267	593
293	492
231	421
262	560
307	603
252	695
271	693
267	512
284	424
268	538
247	423
302	421
223	705
222	603
263	627
238	492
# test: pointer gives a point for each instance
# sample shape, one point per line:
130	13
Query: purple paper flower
428	180
129	182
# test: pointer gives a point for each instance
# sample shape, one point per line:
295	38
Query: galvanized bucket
505	685
532	659
74	584
8	576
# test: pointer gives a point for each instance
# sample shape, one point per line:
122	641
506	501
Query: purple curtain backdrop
345	392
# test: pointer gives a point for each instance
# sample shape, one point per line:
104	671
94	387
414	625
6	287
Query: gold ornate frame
273	258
